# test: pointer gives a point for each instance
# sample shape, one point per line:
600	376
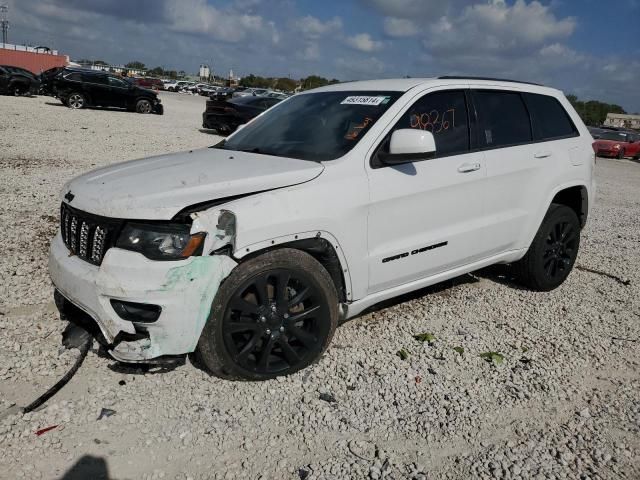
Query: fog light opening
136	312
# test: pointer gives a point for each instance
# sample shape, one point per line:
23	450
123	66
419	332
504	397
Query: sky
586	47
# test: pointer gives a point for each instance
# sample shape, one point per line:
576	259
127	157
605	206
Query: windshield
314	126
615	136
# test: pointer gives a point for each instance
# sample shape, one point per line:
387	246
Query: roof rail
462	77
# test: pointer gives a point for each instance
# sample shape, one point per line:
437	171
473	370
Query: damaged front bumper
183	290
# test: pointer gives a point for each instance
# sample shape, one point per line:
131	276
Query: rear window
550	120
503	118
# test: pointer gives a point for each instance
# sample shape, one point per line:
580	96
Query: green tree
286	84
313	81
157	71
593	112
137	65
253	81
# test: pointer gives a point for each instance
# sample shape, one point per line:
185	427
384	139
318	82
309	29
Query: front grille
88	236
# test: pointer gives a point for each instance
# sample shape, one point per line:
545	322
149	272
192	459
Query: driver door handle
469	167
542	154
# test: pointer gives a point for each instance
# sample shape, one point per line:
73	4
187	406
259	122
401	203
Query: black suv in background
81	88
17	81
225	116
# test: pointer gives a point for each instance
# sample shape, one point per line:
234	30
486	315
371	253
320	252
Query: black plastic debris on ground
105	413
327	397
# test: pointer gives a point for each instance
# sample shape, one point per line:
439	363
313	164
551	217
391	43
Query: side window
550	119
503	118
95	79
74	77
445	115
116	82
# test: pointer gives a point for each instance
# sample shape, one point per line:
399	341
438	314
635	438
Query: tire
278	335
620	155
76	101
553	251
18	90
144	106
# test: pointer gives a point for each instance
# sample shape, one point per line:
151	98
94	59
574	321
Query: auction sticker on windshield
362	100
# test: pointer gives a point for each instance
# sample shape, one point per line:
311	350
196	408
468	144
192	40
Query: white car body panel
441	217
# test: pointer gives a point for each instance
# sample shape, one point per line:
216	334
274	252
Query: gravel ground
564	403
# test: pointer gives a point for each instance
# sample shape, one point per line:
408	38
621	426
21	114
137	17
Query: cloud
400	27
311	27
363	42
197	16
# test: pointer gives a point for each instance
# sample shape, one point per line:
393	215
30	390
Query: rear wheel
144	106
553	251
274	315
76	101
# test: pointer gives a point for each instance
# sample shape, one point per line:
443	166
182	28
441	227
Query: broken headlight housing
161	242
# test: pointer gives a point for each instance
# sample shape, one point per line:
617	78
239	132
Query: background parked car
147	82
81	88
612	143
251	91
225	115
17	81
176	86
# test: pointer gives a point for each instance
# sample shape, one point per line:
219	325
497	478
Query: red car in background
617	144
146	82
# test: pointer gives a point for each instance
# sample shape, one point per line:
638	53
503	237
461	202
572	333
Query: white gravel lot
565	403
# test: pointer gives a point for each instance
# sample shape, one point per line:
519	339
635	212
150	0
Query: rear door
4	79
527	141
426	217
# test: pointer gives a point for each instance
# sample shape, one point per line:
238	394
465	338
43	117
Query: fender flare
276	242
543	211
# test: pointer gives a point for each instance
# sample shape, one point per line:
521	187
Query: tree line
593	112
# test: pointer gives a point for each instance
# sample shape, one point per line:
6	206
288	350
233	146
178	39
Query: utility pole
4	23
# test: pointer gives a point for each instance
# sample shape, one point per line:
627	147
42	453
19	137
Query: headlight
616	146
161	242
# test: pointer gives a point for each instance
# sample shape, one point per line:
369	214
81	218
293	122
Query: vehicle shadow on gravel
442	288
105	109
502	274
86	467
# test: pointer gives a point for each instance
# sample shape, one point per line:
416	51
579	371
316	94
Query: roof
405	84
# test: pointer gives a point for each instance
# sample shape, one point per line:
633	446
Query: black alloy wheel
561	245
275	322
553	251
274	315
144	106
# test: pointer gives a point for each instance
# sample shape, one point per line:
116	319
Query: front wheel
274	315
144	106
553	251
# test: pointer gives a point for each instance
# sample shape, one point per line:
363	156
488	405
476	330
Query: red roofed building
34	59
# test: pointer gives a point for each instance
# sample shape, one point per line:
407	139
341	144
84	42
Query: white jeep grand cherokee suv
252	251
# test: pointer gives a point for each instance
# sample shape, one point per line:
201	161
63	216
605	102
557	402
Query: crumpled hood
157	188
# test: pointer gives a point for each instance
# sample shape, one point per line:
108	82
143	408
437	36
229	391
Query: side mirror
409	144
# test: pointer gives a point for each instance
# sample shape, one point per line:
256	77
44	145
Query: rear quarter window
503	118
74	77
549	118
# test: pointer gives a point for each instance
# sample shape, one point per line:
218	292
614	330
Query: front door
98	89
119	92
426	217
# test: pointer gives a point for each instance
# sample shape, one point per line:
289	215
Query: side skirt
354	308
